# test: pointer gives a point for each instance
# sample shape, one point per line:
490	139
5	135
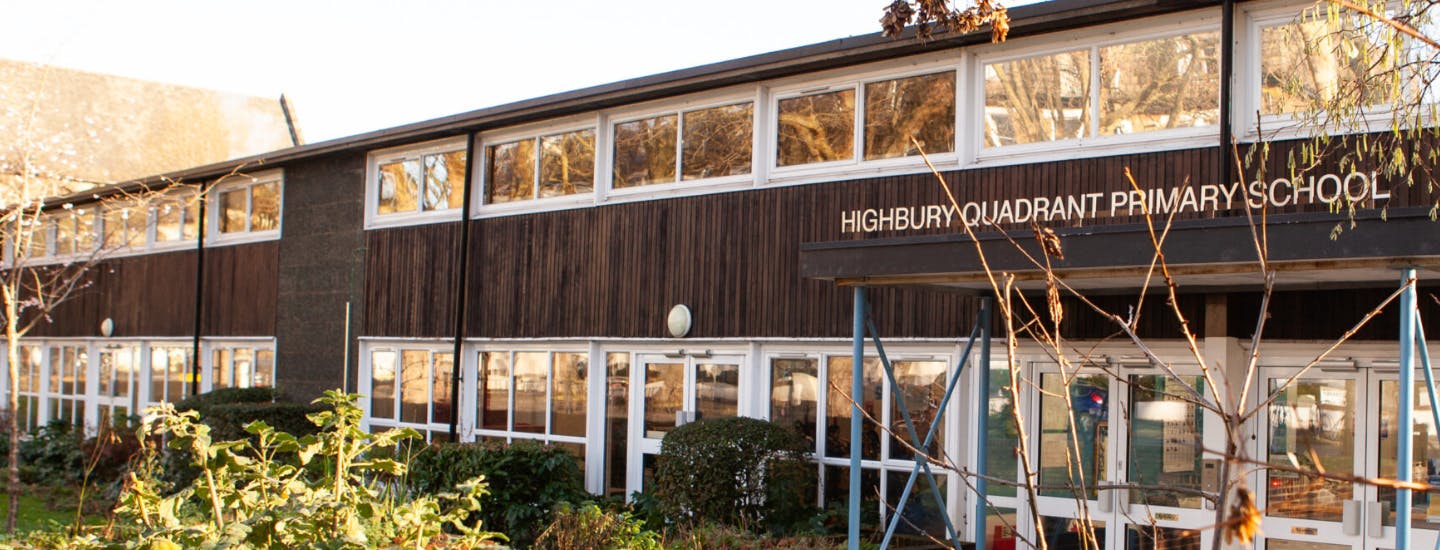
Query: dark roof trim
1025	20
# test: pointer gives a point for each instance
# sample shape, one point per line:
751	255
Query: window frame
374	219
510	434
480	171
208	348
366	385
679	109
1091	40
856	80
1249	63
213	236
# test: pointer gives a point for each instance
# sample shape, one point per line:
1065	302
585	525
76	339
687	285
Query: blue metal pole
857	376
1406	428
982	422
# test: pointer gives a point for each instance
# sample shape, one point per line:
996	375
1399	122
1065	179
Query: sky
361	65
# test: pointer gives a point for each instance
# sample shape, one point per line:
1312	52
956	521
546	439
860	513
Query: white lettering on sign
1355	187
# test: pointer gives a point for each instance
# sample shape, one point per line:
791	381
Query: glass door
1314	422
1381	463
1072	446
667	391
116	400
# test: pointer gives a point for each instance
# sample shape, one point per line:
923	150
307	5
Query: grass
36	515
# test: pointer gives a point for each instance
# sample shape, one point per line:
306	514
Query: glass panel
1306	63
84	229
1000	528
816	128
414	386
530	381
159	367
1003	437
179	377
1071	534
794	390
222	372
1166	432
495	390
1311	420
441	387
717	390
617	412
567	163
717	142
124	365
922	107
1038	99
664	396
64	234
1167	83
1089	404
1425	507
113	228
923	385
168	217
923	518
190	230
68	386
232	210
511	176
27	363
645	151
399	182
264	368
837	495
39	239
567	394
56	367
265	207
244	367
382	384
444	180
107	369
82	363
1146	537
838	405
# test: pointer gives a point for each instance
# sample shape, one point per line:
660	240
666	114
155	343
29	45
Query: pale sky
355	66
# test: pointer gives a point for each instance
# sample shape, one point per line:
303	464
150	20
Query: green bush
527	481
736	471
201	402
52	455
227	411
587	527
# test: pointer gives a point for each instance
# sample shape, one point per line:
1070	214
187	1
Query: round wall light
679	321
107	327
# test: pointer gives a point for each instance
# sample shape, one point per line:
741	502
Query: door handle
1375	518
1105	501
1352	513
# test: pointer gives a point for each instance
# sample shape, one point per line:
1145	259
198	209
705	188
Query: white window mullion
1094	121
859	124
679	145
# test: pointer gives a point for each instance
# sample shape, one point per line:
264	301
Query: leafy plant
527	481
274	490
738	472
52	455
588	527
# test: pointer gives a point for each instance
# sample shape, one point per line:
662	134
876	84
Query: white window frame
509	434
399	347
213	236
856	80
1248	66
180	199
373	218
1190	22
147	389
208	347
533	132
678	109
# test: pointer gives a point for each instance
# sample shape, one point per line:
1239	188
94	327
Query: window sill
231	239
377	221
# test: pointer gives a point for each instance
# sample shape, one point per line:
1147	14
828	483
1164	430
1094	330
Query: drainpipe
1227	76
201	224
461	296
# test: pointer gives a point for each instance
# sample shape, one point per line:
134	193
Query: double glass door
119	370
1122	468
1342	421
668	391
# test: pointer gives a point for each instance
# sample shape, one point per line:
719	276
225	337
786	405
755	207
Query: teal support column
857	377
1406	428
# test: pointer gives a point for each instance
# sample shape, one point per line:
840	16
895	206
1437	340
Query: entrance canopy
1216	254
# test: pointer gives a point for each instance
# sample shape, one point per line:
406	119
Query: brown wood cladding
615	270
152	295
410	281
241	287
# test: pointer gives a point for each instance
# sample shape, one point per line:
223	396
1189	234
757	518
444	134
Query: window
28	406
551	165
68	365
248	210
124	225
822	127
412	387
177	219
1141	86
169	373
1316	58
71	231
702	143
242	366
534	395
416	182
